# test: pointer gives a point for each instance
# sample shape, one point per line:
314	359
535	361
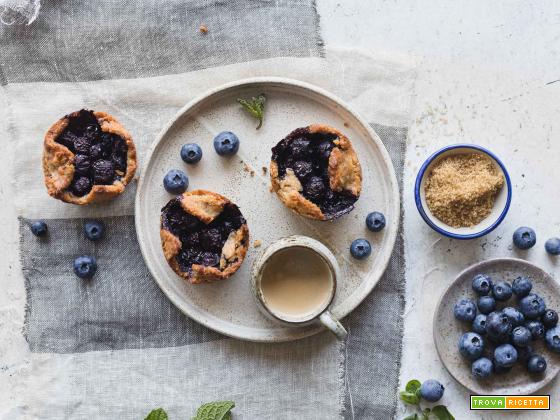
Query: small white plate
447	330
228	306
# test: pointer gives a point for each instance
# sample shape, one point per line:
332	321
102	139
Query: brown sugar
461	189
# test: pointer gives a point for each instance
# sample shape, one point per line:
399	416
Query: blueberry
486	304
549	318
536	364
522	286
191	153
80	186
514	316
482	284
505	355
94	229
82	164
482	368
536	328
521	336
96	152
479	324
103	172
175	181
299	147
314	188
38	228
552	339
211	240
360	248
82	145
524	238
502	290
431	390
465	310
226	143
498	326
302	169
532	306
471	345
85	266
324	148
552	246
375	221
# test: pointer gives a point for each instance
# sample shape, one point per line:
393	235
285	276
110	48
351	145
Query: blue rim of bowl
418	200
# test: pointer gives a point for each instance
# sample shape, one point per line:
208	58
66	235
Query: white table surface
484	73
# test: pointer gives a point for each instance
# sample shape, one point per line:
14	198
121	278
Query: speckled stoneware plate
447	329
228	306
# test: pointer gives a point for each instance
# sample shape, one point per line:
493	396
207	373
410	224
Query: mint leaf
412	417
441	413
217	410
410	397
157	414
413	386
255	107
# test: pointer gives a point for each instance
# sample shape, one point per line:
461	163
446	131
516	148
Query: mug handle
333	325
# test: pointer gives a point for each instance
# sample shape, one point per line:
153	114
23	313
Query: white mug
321	313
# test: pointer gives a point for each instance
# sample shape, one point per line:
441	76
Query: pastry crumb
203	29
264	170
346	124
257	243
247	168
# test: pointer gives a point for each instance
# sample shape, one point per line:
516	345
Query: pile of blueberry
510	330
85	266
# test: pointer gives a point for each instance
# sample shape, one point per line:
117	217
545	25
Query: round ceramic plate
447	329
228	306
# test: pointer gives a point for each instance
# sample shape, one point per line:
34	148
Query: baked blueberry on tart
204	236
316	173
88	157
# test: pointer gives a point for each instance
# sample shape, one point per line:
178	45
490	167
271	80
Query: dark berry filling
307	154
100	158
200	243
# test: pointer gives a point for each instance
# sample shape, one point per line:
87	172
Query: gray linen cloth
116	347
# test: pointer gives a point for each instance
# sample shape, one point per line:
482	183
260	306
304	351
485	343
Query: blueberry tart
315	172
88	157
204	236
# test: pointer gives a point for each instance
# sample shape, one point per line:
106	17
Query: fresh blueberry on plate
552	339
471	345
524	238
549	318
521	336
360	248
375	221
226	143
431	390
465	310
85	266
479	324
514	316
502	290
482	284
536	328
38	228
532	306
486	304
552	246
505	355
94	229
191	153
175	182
482	368
498	326
536	364
522	286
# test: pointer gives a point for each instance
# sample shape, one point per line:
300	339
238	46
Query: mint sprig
255	107
217	410
411	395
157	414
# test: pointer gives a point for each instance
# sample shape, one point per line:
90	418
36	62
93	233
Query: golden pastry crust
58	163
206	206
344	171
